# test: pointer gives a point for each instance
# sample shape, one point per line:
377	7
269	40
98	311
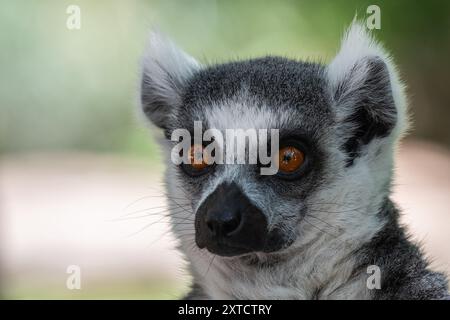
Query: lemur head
338	125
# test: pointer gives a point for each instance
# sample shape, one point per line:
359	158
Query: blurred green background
76	91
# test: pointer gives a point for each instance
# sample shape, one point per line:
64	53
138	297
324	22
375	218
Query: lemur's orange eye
290	159
198	160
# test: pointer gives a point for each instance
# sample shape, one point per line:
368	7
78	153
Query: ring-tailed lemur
312	230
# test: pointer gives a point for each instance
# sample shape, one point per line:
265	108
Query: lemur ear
366	91
165	71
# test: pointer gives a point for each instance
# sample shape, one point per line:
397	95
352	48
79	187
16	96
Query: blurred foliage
102	288
77	89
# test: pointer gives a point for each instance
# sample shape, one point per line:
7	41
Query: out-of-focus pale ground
57	210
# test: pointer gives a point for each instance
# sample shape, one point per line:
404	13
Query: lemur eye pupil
287	156
290	159
197	157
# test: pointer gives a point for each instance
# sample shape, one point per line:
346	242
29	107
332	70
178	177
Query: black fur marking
374	113
405	273
196	293
154	106
275	81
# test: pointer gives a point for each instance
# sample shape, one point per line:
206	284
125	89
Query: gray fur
338	218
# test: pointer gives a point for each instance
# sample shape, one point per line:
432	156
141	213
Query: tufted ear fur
366	91
165	71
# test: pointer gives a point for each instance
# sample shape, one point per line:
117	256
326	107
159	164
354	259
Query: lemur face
336	125
238	210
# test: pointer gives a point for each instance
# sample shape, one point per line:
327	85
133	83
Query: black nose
227	223
223	222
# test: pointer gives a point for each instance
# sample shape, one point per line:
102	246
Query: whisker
152	214
330	234
319	209
147	226
212	260
167	207
344	204
164	195
182	223
327	223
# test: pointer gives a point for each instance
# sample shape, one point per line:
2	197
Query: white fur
168	66
357	44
